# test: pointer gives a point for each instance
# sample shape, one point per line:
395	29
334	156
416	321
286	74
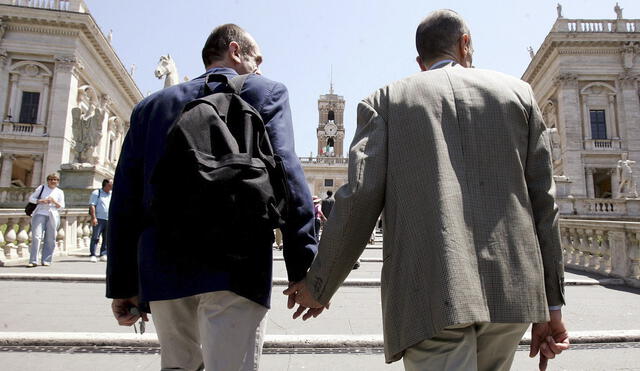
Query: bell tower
330	131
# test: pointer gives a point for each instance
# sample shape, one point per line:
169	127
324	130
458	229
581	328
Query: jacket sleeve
298	233
125	214
358	204
541	188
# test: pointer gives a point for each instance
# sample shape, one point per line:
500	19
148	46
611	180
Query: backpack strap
40	194
236	83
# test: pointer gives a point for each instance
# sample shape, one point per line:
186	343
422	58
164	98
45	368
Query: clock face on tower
330	129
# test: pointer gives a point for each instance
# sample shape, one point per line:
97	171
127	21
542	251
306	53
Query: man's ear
464	47
234	52
423	67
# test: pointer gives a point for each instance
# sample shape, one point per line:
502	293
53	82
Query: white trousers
216	330
471	347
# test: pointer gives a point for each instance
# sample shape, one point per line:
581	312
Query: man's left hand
122	311
298	292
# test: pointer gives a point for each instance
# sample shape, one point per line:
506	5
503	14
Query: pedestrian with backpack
99	211
207	170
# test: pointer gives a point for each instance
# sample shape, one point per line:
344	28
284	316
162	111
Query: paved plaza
30	306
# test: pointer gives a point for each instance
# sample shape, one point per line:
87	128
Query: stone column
570	124
590	188
613	126
4	82
64	89
14	110
7	169
615	183
36	177
631	113
44	102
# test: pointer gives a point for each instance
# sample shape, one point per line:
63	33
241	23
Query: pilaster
7	169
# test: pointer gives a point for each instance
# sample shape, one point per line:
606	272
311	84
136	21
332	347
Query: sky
366	43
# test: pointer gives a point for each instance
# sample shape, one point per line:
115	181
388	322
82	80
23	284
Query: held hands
122	311
298	292
549	338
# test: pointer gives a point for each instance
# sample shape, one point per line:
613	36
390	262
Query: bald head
443	34
221	37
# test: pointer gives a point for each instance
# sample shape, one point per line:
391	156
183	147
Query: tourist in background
45	220
327	204
319	216
99	210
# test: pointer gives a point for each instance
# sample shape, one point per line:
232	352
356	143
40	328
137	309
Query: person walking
99	210
45	221
319	215
207	314
327	204
456	160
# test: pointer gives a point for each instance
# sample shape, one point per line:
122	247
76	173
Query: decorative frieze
68	64
566	79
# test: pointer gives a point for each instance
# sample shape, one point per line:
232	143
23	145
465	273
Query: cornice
73	24
557	43
36	28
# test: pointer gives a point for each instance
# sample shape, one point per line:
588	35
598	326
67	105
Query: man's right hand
122	311
549	338
94	221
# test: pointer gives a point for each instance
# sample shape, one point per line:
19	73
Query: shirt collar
442	63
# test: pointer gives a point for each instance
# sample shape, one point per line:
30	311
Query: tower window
332	116
29	108
328	182
598	124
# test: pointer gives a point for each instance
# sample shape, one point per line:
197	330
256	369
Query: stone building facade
585	79
65	97
328	170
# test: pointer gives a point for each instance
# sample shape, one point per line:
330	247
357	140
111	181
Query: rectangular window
29	108
328	182
598	124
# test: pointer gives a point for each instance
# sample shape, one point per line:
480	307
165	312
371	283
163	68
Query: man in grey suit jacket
456	160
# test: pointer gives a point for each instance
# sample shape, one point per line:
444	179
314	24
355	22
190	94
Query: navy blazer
136	267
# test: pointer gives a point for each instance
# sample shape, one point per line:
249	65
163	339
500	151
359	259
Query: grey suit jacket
456	160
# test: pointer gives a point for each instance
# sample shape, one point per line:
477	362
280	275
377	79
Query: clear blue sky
369	42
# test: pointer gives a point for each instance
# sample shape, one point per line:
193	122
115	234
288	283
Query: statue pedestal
79	180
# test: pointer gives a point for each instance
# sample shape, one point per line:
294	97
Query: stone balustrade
609	248
599	208
597	25
22	129
17	197
64	5
324	160
603	144
74	233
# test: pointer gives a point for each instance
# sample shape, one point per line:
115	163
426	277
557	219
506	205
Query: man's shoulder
180	94
95	192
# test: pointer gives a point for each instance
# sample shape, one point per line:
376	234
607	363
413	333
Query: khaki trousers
216	330
479	346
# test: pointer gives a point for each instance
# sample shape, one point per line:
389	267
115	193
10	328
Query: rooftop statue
167	68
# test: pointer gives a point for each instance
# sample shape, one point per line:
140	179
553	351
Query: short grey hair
218	42
438	33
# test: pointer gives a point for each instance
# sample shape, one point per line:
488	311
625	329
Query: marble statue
627	187
559	9
88	118
167	68
132	71
618	11
110	36
531	53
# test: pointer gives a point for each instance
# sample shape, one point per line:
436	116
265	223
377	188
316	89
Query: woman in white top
45	220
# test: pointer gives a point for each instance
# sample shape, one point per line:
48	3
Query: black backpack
218	185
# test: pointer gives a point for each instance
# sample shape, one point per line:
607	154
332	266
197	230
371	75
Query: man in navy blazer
204	315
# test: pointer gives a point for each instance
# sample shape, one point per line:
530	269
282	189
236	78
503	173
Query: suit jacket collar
221	70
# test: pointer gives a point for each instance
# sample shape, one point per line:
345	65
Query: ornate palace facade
65	96
585	78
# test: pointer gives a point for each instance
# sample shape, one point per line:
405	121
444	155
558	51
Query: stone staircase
57	318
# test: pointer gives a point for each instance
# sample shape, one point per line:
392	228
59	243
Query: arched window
332	116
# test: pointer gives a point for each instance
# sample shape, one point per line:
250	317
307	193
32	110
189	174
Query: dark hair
438	33
105	182
329	193
219	40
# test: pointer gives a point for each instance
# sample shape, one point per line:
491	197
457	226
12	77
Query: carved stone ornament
628	78
629	51
68	63
3	27
567	79
88	118
4	58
